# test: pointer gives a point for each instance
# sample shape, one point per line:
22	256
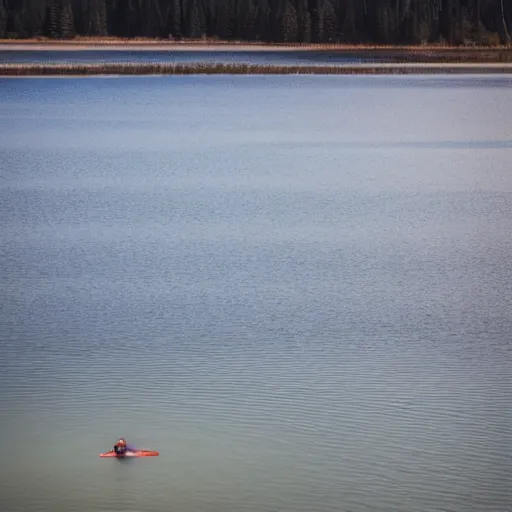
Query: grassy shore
112	40
115	68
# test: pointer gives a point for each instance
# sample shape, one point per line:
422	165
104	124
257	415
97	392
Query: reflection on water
296	289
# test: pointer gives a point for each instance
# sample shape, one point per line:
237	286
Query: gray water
282	58
297	289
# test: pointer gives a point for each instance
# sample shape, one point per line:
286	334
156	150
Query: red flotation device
136	453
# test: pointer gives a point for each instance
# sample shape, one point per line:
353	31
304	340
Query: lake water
280	58
297	289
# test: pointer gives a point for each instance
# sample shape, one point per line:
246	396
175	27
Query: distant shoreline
420	53
142	41
119	69
425	59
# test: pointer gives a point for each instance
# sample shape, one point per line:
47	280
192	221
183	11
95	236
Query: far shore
418	53
197	43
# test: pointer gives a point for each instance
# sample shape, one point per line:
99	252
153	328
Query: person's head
121	442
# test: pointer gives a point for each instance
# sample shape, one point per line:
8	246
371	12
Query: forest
453	22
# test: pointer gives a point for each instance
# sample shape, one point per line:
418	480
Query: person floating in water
121	447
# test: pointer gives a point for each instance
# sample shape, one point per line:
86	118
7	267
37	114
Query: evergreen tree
348	25
67	26
317	22
289	25
505	35
196	19
383	29
262	23
224	19
304	22
248	20
22	20
52	19
37	16
330	22
174	18
97	18
3	19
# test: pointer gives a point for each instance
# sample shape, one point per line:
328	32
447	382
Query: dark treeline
350	21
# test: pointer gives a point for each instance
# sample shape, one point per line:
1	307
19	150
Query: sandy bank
140	46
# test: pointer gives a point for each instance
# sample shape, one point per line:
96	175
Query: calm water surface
283	58
297	289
